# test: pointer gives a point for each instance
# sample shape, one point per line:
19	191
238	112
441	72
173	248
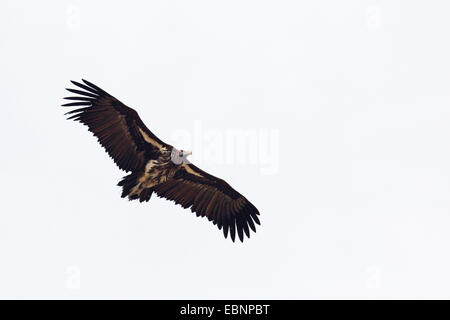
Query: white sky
347	103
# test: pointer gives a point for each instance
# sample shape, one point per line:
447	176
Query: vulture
157	167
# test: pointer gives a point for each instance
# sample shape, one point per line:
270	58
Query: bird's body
157	167
139	185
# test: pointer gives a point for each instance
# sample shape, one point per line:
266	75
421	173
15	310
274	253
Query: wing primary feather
255	217
225	231
244	224
219	221
254	213
93	86
225	220
78	110
79	98
239	226
250	223
72	104
232	228
84	93
84	87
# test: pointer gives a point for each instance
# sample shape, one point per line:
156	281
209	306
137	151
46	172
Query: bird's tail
132	188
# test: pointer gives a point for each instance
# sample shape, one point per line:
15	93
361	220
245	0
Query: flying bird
157	167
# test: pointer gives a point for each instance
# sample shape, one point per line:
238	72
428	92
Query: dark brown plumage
154	165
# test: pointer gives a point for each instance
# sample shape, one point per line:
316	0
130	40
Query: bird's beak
188	153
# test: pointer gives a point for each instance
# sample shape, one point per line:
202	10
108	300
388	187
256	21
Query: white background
358	92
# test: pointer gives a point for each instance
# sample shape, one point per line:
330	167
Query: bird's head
180	156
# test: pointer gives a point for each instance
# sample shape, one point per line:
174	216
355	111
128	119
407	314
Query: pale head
180	156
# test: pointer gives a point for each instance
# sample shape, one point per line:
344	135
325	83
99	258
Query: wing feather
117	127
211	197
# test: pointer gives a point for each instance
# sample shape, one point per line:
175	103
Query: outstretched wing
211	197
117	127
